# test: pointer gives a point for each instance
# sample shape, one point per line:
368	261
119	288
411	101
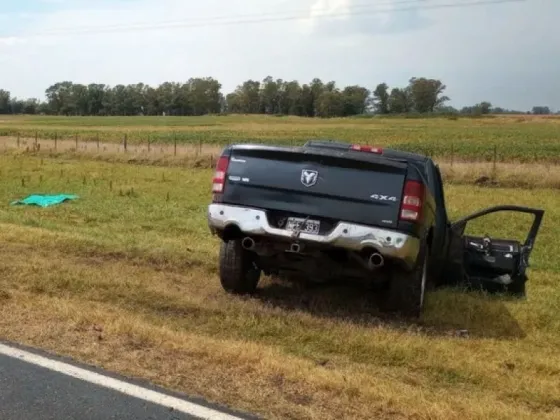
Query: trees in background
201	96
12	105
541	110
5	97
483	108
319	99
195	97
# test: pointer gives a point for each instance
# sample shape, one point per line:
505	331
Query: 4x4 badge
309	177
381	197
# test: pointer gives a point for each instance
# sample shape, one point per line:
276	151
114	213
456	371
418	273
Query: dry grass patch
503	174
129	282
511	175
182	332
162	154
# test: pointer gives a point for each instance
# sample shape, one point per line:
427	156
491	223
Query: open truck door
493	264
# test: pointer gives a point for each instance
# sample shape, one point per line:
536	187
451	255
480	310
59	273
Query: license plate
311	226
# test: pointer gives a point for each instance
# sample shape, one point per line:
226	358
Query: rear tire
238	272
407	289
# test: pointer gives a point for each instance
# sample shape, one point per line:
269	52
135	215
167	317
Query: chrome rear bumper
350	236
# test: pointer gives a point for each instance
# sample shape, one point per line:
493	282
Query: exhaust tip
376	260
296	248
248	243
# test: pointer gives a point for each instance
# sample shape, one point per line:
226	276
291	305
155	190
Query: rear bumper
254	222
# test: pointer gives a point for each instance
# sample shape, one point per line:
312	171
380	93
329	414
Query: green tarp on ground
44	200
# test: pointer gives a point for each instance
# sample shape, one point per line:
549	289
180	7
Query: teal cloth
45	200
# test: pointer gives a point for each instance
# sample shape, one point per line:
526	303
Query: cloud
347	18
491	52
11	41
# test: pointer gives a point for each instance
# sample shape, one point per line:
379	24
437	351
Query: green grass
133	258
522	138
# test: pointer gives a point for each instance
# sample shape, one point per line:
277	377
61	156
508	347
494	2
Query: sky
506	53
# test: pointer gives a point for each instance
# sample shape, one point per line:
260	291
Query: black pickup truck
330	210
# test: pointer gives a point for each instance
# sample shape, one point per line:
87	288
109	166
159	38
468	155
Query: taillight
413	201
219	179
370	149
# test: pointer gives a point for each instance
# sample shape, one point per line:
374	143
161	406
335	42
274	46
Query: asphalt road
41	390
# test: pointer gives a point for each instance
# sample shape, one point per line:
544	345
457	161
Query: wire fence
492	169
174	146
96	145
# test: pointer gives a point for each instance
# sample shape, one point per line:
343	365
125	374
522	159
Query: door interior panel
487	257
494	263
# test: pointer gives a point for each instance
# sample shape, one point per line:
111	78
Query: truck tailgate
350	186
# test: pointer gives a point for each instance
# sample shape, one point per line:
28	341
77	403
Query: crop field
524	138
126	277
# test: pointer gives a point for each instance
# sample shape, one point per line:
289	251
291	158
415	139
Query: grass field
125	277
512	138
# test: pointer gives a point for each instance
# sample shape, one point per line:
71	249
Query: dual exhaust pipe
375	260
249	244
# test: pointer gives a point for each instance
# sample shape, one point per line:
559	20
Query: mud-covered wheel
238	272
407	289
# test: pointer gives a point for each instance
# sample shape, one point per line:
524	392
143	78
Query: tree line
202	96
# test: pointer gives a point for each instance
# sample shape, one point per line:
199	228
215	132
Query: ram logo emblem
309	177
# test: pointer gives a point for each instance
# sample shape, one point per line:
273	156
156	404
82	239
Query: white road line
178	404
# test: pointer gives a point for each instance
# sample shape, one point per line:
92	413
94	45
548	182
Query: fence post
174	143
18	139
36	138
494	168
452	154
149	143
55	141
97	139
76	142
125	142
